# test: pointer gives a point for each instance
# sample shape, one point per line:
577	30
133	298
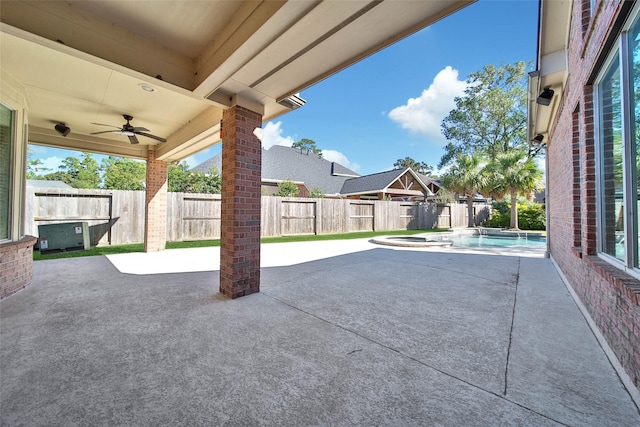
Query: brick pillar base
241	203
155	224
16	265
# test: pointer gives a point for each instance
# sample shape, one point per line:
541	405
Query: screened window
612	200
618	95
6	135
633	128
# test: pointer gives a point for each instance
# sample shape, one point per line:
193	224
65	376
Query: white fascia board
553	62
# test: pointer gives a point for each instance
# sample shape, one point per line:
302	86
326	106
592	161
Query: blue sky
390	105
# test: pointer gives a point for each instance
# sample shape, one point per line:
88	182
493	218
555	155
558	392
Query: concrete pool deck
342	333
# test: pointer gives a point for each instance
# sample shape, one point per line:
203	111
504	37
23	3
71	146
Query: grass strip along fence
139	247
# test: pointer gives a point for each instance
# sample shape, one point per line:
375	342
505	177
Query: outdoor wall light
62	129
546	96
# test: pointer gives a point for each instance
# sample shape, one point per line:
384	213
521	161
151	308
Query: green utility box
70	236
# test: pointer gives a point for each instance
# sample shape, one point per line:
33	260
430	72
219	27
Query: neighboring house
432	184
42	183
397	184
306	169
583	108
310	171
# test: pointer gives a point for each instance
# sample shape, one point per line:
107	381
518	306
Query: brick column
16	265
155	215
241	203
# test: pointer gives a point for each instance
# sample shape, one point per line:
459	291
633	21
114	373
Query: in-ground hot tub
412	241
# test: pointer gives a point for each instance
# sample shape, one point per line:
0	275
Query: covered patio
342	333
102	76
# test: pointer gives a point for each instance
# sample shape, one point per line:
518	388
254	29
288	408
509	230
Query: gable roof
379	182
373	182
428	180
280	163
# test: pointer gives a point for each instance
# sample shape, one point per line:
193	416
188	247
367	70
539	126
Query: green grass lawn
139	247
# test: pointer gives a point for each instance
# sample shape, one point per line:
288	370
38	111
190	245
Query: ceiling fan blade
105	131
148	135
139	129
133	139
103	124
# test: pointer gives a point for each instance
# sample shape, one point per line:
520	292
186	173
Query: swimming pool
509	240
482	241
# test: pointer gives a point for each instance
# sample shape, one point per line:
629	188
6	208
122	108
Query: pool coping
439	239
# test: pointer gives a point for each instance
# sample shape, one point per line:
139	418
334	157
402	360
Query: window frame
620	51
12	181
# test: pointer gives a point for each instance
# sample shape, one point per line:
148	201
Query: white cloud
338	157
51	163
271	135
424	115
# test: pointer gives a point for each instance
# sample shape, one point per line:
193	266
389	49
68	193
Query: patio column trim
155	224
241	202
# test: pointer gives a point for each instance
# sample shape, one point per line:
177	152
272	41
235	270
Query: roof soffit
83	62
553	36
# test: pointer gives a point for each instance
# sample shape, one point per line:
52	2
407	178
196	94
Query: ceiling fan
129	131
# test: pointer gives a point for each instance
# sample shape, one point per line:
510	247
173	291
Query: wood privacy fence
117	217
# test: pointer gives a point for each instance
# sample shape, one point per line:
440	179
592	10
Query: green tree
287	188
316	193
82	172
178	178
408	162
467	178
490	118
123	174
513	174
35	167
307	144
57	176
209	183
181	179
531	216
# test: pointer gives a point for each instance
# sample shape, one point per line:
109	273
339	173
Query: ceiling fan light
147	88
127	133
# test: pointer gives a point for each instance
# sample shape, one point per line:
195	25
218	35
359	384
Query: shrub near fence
117	217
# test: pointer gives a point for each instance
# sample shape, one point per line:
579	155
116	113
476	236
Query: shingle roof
41	183
369	183
281	163
427	179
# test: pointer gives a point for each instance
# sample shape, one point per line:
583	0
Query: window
611	167
6	137
618	103
577	171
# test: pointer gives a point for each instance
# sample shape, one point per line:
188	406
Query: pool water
496	241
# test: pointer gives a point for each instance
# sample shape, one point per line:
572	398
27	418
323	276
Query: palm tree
513	173
466	177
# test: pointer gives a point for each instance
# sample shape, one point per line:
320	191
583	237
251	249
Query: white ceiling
83	62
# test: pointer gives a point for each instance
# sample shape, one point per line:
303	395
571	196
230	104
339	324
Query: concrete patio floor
342	333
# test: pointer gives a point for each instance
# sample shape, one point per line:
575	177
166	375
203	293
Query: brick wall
16	265
241	203
610	295
156	204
